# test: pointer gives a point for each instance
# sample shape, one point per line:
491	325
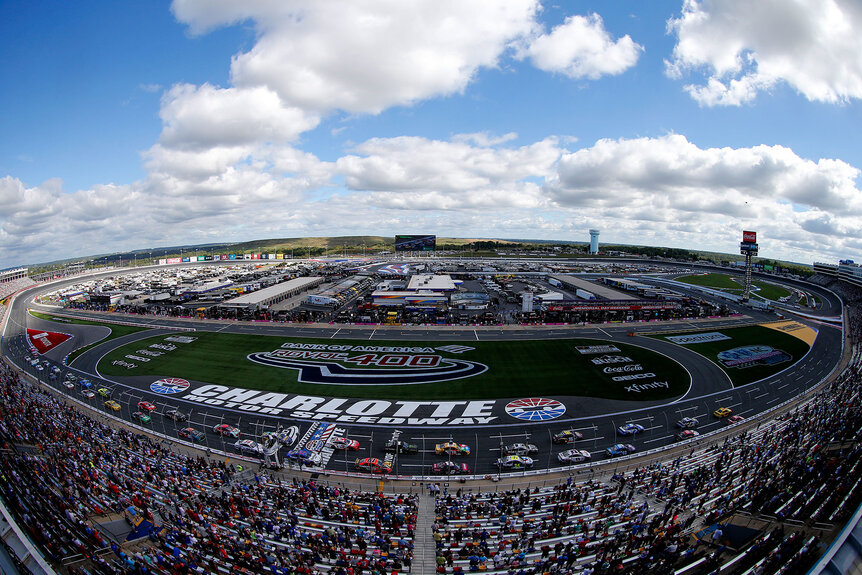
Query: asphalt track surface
596	419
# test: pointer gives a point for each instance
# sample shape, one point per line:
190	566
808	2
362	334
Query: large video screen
415	243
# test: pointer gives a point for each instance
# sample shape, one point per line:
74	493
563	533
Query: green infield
405	370
732	285
746	354
116	331
769	291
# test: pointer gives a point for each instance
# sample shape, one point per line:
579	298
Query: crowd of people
64	472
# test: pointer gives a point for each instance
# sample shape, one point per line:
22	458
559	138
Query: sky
134	125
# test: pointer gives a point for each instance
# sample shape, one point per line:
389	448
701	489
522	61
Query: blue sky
132	125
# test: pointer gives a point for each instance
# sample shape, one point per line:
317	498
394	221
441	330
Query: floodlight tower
594	242
748	248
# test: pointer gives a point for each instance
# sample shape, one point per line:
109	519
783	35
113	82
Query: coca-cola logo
624	368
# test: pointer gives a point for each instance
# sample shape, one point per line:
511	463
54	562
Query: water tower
594	242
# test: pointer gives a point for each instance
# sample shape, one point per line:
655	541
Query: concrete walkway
424	549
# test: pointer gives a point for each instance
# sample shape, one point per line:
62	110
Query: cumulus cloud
582	48
748	47
365	55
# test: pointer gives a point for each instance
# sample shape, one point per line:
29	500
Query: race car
224	429
176	415
304	456
113	405
515	462
69	385
630	429
88	394
450	468
345	444
104	392
520	449
141	417
687	434
567	436
400	447
620	449
734	419
574	456
687	423
146	406
451	448
722	412
85	383
192	433
373	465
284	436
249	446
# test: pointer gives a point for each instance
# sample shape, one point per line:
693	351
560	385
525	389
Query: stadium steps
424	548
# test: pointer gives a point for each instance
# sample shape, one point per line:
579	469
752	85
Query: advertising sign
749	237
208	258
186	259
162	261
255	256
697	338
175	260
224	257
200	258
231	256
415	243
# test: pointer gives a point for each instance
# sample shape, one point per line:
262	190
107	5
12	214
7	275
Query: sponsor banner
342	410
624	368
593	349
224	257
163	262
610	359
187	259
742	357
632	376
200	258
697	338
231	256
749	237
610	307
45	341
175	260
279	256
180	338
255	256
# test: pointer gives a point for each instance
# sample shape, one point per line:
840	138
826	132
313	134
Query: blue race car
630	429
620	449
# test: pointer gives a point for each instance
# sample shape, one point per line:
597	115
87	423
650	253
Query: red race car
146	406
373	465
345	444
225	429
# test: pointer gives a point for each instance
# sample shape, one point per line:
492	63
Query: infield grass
116	331
515	368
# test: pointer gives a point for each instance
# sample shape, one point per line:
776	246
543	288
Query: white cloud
365	55
582	48
747	47
206	116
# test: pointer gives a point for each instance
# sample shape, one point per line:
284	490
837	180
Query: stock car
567	436
249	446
141	417
176	415
304	456
146	406
722	412
450	468
88	394
104	392
85	383
373	465
113	405
687	434
620	449
284	436
451	448
630	429
69	384
574	456
400	447
520	449
515	462
734	419
687	423
192	433
345	444
224	429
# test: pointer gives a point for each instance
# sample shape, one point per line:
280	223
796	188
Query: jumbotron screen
415	243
